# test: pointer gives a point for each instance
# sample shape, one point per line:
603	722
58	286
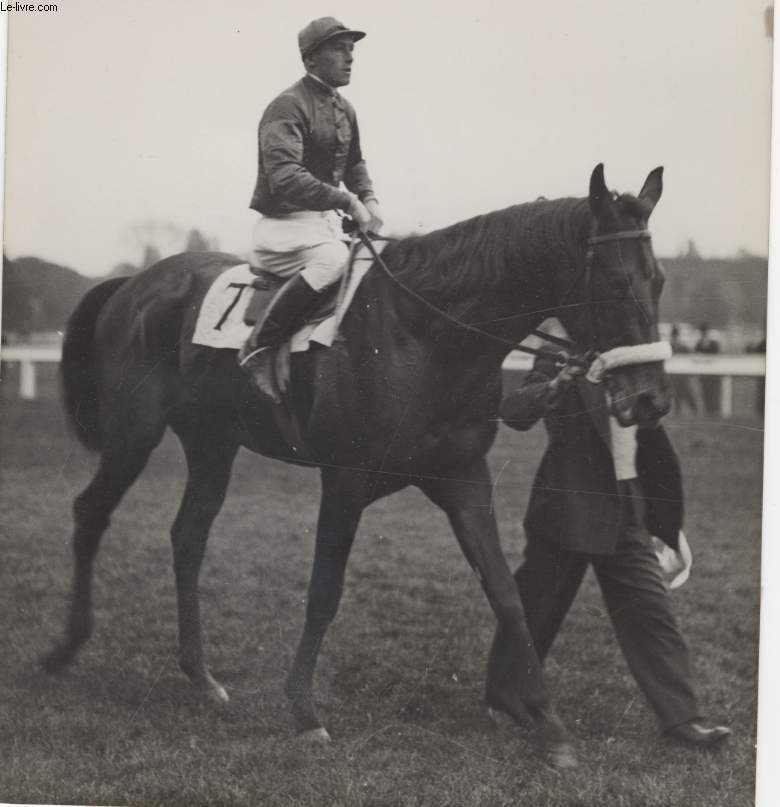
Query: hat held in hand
675	566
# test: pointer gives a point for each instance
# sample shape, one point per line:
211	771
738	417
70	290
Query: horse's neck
456	341
526	259
493	319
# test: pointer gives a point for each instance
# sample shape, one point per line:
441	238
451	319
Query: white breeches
309	242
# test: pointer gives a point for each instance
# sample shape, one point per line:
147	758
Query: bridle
585	276
565	358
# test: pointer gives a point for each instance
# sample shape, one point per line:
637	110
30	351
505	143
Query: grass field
401	676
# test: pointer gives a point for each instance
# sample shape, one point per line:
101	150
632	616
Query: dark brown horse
406	397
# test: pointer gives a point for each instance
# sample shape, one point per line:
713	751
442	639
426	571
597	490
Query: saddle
264	288
238	298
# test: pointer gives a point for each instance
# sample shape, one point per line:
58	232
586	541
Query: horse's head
614	303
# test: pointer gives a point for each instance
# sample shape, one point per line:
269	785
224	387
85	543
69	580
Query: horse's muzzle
639	395
643	410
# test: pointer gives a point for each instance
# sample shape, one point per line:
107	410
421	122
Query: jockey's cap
321	30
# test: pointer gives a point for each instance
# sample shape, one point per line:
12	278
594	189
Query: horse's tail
78	372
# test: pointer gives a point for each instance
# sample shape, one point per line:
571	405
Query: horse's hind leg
120	465
210	452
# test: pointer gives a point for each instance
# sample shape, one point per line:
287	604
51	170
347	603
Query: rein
558	340
561	359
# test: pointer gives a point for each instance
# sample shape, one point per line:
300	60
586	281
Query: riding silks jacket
308	143
574	501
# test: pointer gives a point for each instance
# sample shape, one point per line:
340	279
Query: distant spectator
681	384
709	384
759	347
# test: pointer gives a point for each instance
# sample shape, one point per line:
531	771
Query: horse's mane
476	255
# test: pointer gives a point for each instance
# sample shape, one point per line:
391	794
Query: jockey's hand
376	216
360	215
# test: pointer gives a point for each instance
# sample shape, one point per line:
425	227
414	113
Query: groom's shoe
695	734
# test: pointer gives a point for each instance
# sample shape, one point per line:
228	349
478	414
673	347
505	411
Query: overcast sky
124	112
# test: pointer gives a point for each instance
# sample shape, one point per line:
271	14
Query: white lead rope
623	356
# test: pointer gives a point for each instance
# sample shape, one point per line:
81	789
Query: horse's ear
651	190
599	193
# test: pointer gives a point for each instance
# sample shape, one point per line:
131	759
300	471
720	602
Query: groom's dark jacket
575	500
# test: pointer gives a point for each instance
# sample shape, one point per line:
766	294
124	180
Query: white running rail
727	366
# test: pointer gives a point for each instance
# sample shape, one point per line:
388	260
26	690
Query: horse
408	395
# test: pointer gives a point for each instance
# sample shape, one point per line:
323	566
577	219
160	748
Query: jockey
309	145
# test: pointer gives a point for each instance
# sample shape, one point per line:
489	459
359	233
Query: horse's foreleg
515	684
209	461
92	509
340	511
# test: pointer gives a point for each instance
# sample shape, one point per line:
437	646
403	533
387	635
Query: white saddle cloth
219	325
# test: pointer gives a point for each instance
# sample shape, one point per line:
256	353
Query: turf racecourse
401	677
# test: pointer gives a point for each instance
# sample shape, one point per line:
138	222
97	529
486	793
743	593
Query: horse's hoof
560	756
56	660
217	693
498	717
211	689
318	736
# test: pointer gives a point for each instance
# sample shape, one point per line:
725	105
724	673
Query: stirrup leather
242	360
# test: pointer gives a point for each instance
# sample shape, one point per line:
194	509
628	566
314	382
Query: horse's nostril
650	407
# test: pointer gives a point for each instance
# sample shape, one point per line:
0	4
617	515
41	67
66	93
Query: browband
622	236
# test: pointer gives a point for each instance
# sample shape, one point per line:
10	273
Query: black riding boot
291	303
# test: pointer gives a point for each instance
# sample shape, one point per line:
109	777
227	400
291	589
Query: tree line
39	295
